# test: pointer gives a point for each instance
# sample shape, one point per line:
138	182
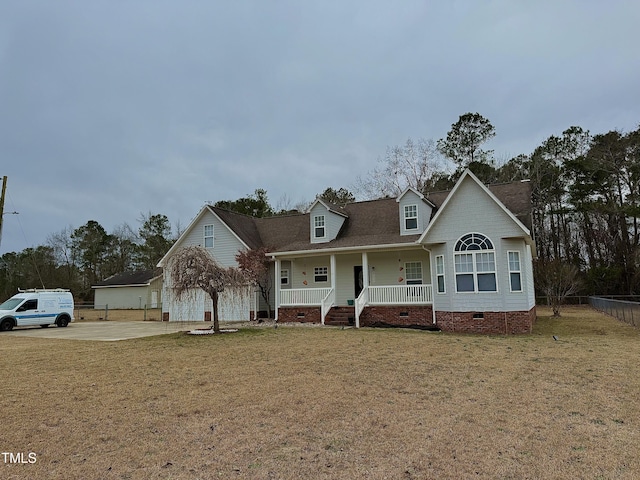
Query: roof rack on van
39	290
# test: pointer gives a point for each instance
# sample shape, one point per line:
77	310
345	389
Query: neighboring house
140	289
458	260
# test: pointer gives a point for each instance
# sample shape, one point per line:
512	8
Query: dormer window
319	226
410	217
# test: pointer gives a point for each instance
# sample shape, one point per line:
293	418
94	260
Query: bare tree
410	165
255	266
192	267
558	280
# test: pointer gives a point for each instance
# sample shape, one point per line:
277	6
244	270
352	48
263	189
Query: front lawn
296	402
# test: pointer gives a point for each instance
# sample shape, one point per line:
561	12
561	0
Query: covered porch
353	282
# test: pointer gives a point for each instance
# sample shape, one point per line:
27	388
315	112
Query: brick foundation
299	314
494	323
397	315
500	323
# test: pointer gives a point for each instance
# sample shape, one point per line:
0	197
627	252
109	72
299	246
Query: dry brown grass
329	403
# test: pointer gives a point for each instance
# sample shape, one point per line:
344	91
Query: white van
37	307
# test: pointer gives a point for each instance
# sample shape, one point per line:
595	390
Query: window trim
320	272
440	274
413	207
413	280
206	237
511	272
474	244
317	225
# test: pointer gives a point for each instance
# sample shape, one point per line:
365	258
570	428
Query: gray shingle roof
369	223
243	225
139	277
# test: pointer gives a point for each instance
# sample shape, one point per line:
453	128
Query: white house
458	260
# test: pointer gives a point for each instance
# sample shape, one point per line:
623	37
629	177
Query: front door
358	281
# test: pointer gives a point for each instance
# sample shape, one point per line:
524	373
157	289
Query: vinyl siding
443	301
387	268
423	211
234	305
527	278
225	248
345	285
333	223
513	301
302	270
123	297
472	210
225	244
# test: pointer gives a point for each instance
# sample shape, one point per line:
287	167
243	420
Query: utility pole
4	189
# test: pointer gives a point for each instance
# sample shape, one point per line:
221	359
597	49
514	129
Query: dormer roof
331	207
421	196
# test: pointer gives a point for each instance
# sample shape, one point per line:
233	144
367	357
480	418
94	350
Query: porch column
333	271
365	270
278	285
332	266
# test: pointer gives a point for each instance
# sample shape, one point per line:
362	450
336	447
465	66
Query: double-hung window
208	236
413	273
321	274
475	264
284	276
440	274
515	277
319	226
410	217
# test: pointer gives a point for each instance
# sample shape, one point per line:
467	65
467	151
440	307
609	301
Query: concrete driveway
105	331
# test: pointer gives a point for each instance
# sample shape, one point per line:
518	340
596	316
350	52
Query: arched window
475	264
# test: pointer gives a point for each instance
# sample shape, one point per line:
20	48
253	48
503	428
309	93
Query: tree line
79	258
585	211
585	197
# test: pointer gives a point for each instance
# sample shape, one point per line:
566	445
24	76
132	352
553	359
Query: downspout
433	296
277	295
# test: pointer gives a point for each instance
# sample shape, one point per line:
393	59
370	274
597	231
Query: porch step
341	316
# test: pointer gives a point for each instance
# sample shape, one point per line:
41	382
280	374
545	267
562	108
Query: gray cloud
109	109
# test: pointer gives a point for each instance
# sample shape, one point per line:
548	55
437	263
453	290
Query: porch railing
361	302
327	303
303	296
400	295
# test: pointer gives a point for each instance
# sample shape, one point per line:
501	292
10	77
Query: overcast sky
110	109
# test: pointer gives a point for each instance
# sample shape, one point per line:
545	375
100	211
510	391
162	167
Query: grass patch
298	402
